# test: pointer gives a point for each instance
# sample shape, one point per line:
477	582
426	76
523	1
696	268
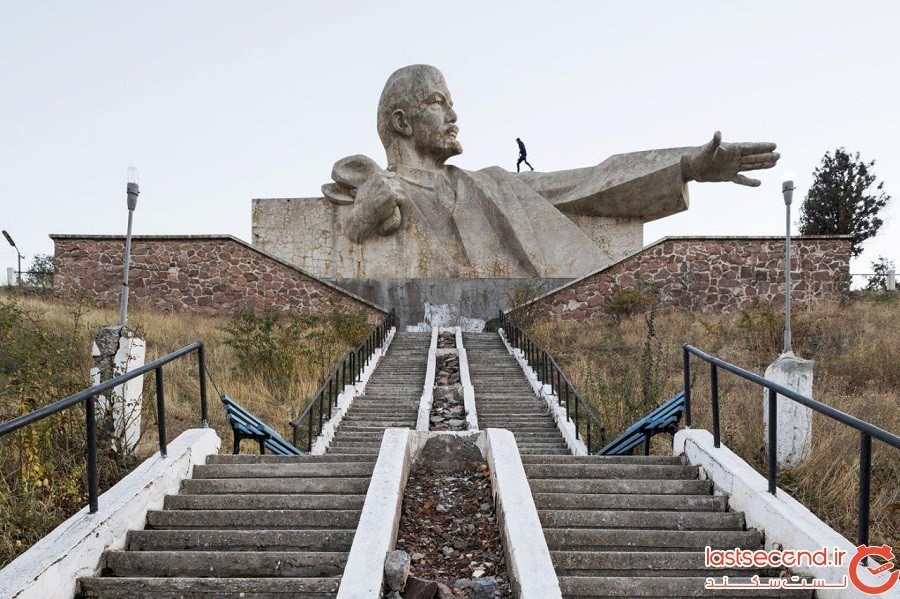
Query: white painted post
892	280
10	276
793	421
116	351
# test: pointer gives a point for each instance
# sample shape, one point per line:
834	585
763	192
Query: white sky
220	102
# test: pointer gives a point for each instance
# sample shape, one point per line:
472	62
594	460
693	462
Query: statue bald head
416	120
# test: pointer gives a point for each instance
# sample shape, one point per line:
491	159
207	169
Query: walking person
523	155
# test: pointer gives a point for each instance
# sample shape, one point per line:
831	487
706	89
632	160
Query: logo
864	551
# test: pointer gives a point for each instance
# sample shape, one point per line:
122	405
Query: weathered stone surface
210	275
422	218
396	569
418	588
708	275
485	588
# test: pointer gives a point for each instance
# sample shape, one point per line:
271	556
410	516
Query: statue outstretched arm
650	184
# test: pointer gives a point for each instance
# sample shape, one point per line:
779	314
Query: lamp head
132	187
9	239
787	187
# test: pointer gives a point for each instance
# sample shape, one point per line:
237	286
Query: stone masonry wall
212	275
709	275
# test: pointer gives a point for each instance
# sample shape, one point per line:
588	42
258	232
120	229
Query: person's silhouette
523	156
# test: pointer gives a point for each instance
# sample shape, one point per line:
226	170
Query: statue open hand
717	161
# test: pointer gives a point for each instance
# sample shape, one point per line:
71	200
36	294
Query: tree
880	268
40	274
842	199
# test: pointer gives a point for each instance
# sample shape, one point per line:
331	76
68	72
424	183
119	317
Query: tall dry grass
624	372
42	469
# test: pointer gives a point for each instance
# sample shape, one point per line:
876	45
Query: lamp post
18	253
132	192
787	190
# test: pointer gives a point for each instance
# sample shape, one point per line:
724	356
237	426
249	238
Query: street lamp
787	190
132	192
18	253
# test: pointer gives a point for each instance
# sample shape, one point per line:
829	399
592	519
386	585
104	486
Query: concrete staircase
504	398
391	398
261	526
630	526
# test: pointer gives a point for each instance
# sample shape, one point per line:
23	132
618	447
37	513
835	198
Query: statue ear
401	123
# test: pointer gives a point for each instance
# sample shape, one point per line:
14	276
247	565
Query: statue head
416	120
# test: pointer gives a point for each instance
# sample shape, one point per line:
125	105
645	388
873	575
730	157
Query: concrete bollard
794	421
118	350
10	276
892	280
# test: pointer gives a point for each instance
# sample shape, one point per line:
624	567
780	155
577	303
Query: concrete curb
376	532
73	549
423	420
528	560
465	380
786	523
346	397
565	426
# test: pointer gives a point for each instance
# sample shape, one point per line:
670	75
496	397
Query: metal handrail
549	372
89	397
867	431
351	365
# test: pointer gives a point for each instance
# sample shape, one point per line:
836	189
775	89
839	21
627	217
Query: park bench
663	419
245	425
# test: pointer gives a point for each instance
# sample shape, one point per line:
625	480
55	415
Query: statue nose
451	115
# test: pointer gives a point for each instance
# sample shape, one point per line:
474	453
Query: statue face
434	126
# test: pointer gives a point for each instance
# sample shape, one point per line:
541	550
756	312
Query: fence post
161	412
865	481
773	441
201	364
90	407
687	388
714	389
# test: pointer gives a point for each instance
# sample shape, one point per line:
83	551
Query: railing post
714	388
687	388
577	401
589	436
161	412
865	483
93	480
201	364
295	437
331	401
773	441
567	400
310	437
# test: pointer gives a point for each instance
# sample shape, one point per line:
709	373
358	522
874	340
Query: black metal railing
866	431
588	425
88	397
348	371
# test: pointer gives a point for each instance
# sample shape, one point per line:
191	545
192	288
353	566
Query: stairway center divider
348	371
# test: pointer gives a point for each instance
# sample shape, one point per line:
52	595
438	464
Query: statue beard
440	145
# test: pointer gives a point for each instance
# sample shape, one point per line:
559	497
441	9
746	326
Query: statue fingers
758	158
751	147
708	153
757	166
742	180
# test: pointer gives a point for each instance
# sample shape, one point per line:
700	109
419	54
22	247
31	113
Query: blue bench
663	419
245	425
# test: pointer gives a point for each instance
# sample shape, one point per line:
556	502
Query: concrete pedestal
794	420
116	351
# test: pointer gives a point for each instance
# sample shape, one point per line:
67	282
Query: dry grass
42	466
856	350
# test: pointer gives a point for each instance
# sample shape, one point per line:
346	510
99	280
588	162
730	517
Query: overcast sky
220	102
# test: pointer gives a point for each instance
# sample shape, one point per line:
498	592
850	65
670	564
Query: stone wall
212	275
708	275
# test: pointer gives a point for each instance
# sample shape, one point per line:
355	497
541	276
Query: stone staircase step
219	564
637	487
596	501
618	539
223	458
264	502
312	539
296	469
640	563
276	485
252	519
641	519
616	471
208	588
626	586
659	460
